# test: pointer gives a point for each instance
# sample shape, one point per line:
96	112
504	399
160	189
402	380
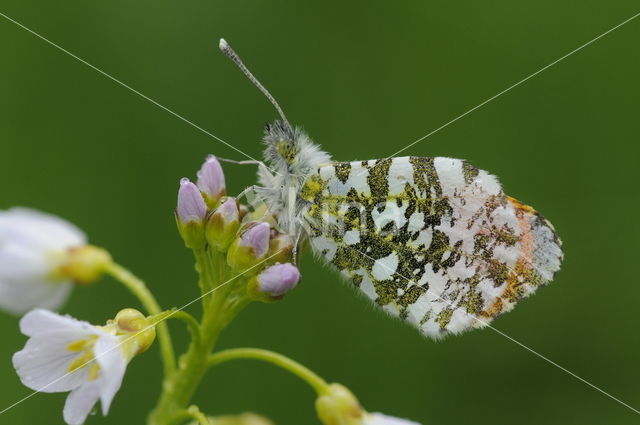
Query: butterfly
431	240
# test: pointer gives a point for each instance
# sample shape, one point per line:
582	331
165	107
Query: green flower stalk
235	260
240	258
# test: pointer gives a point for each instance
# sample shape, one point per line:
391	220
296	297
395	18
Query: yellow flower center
86	357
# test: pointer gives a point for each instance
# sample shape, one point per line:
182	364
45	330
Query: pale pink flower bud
211	180
191	206
257	238
279	279
223	224
250	248
229	210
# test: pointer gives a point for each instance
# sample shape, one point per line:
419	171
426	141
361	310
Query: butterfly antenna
227	50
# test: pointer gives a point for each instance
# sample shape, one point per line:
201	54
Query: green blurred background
365	78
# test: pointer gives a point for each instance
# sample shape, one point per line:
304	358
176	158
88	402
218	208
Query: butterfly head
282	143
289	150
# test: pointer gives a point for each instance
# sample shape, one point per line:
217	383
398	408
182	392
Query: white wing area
434	241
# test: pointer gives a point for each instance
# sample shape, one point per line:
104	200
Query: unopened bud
211	181
251	247
190	214
84	265
339	407
223	225
274	282
138	331
191	206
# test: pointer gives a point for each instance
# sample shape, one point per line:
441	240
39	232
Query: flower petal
43	364
41	321
23	261
18	297
32	246
380	419
80	402
113	365
34	227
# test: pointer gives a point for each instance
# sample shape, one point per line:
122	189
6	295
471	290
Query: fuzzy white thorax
292	157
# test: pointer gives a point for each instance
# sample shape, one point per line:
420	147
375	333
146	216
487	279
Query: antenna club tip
223	45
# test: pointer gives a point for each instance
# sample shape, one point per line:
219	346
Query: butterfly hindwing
434	241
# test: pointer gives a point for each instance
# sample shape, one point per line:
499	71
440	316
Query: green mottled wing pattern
433	241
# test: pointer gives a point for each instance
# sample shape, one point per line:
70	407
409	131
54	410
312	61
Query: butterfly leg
247	190
261	165
257	201
294	254
247	162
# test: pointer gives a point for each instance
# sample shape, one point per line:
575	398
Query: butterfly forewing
434	241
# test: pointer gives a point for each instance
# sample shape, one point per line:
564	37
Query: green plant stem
203	268
189	320
304	373
148	301
198	415
226	298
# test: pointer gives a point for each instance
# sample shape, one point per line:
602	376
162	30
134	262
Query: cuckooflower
64	354
380	419
275	281
34	249
191	211
211	181
223	224
251	247
338	406
191	206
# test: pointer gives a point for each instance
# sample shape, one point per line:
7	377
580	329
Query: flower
252	245
223	225
275	281
338	406
64	354
257	238
191	206
380	419
211	181
34	249
190	214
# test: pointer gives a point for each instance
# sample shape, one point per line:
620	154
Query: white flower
65	354
380	419
33	246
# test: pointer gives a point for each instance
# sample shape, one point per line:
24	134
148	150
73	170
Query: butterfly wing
434	241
